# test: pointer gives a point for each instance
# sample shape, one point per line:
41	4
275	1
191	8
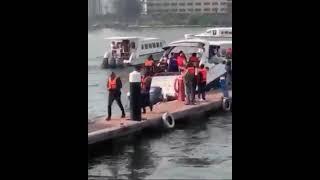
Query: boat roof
219	42
220	28
195	40
131	37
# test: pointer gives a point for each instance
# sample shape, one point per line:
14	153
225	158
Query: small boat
211	53
219	33
132	50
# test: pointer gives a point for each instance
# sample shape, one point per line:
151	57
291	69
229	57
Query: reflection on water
199	149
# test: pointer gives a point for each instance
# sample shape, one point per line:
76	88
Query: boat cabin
219	32
131	48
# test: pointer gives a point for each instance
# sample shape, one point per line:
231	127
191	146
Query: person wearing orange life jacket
149	64
114	85
202	82
229	53
194	60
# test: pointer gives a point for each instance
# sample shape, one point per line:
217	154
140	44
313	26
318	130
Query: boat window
118	44
223	53
214	32
154	45
150	46
142	47
146	46
157	44
160	44
213	50
133	45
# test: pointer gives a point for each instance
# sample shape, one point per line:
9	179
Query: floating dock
102	130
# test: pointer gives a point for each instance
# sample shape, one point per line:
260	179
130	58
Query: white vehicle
132	50
210	53
221	33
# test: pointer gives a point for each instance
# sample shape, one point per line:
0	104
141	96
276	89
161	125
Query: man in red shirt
194	60
202	82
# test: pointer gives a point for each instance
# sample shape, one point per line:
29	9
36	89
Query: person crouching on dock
114	86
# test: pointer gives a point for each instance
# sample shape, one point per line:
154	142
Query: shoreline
102	26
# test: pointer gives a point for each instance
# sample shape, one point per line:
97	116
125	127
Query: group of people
174	63
194	76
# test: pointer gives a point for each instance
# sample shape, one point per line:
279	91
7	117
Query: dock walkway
102	130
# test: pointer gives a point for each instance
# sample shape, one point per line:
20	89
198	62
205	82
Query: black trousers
194	89
201	90
114	96
146	101
190	92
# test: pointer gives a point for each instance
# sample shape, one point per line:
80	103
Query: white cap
135	76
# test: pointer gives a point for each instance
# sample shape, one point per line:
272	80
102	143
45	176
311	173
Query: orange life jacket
203	74
191	70
142	82
180	61
112	84
194	60
148	63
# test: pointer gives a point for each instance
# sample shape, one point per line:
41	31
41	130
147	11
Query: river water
201	149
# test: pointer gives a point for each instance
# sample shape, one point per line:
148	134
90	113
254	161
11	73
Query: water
201	149
198	150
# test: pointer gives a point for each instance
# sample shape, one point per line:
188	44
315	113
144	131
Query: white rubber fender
168	120
226	104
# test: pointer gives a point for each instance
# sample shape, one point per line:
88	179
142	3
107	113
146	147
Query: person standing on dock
188	77
149	65
202	82
229	72
145	91
194	60
114	86
223	83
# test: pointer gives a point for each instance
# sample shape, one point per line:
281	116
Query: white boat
219	33
205	52
132	50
